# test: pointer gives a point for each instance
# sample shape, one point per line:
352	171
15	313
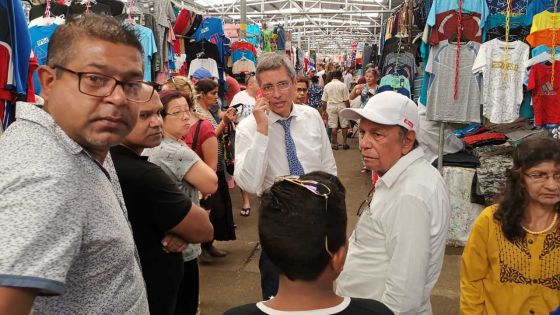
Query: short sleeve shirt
335	93
442	105
176	160
155	205
501	96
546	97
85	255
349	306
148	41
206	131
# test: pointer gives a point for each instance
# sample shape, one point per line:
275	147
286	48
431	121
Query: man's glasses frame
315	187
150	87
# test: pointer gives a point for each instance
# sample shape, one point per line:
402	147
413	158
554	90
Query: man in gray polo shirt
66	245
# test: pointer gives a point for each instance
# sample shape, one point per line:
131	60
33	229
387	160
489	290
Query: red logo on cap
409	123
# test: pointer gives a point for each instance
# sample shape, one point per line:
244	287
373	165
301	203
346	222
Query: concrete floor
234	280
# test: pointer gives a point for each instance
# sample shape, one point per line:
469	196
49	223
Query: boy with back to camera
302	227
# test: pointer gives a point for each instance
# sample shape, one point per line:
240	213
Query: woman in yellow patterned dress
511	263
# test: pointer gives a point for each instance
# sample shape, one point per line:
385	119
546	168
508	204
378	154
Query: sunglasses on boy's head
319	189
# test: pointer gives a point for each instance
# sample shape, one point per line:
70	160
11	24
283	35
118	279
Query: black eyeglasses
100	85
316	188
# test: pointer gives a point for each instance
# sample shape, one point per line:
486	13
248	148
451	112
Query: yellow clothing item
499	277
545	20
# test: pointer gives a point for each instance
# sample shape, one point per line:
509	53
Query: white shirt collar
323	311
402	164
273	117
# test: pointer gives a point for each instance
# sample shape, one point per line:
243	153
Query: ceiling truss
328	26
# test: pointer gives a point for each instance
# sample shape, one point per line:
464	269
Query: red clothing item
546	98
483	137
206	132
244	46
446	25
33	65
182	22
232	88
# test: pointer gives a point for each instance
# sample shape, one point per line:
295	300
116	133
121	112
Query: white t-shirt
501	96
248	104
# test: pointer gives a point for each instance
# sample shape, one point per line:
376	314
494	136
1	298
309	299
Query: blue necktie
293	162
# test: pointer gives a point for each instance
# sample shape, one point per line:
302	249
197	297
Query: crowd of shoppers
108	189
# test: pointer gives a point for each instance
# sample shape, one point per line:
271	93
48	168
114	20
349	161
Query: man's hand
173	244
261	115
16	301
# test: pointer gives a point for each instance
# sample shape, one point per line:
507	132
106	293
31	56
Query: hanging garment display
502	71
442	105
546	94
447	22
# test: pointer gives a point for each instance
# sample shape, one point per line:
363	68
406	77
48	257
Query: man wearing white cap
396	250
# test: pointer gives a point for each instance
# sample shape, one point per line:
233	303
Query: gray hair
273	61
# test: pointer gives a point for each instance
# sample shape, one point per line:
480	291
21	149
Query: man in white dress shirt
280	138
396	250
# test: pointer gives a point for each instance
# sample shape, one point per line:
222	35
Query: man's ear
47	76
408	141
339	258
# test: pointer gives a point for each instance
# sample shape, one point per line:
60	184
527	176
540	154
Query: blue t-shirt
148	41
212	30
281	39
238	54
542	49
253	34
20	35
536	7
500	6
40	37
439	6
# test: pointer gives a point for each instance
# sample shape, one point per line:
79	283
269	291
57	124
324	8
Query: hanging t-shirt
500	6
479	6
545	20
446	25
148	41
546	97
281	38
243	66
253	34
397	83
17	32
442	105
208	64
212	30
496	20
266	36
501	96
239	54
542	49
537	6
544	37
40	37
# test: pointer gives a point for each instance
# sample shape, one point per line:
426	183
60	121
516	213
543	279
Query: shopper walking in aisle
280	138
157	205
396	250
67	247
510	263
247	99
219	203
309	211
191	175
349	78
335	99
302	85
